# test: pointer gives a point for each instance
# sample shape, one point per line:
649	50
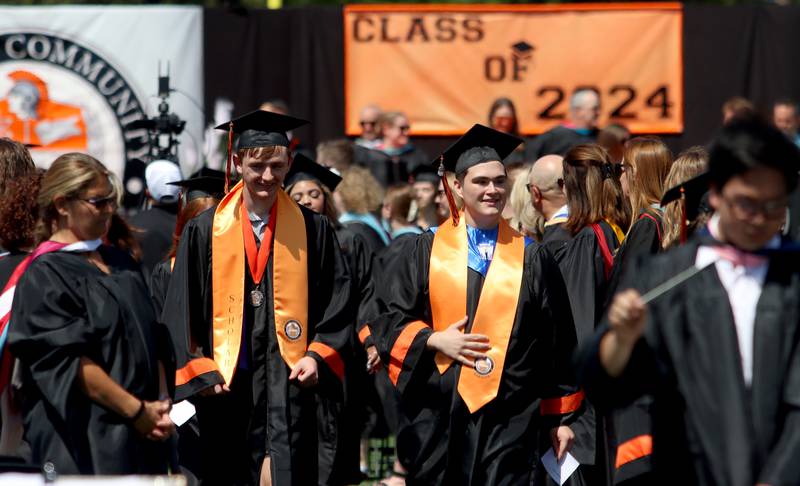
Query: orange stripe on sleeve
331	357
400	349
562	405
633	449
193	369
364	333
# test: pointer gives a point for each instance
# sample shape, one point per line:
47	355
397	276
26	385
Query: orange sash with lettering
289	281
497	307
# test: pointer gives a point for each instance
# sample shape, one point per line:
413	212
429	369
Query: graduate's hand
373	360
453	343
214	390
562	438
305	371
627	317
165	427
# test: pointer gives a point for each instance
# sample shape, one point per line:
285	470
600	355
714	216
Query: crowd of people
583	295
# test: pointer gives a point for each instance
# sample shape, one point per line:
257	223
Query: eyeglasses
404	128
746	208
366	123
560	183
101	203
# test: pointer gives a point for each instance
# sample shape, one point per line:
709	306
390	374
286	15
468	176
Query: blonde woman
357	197
94	359
689	164
525	219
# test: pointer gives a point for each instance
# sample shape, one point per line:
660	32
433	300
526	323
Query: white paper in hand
559	471
181	412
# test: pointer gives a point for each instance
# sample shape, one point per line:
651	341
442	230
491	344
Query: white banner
72	78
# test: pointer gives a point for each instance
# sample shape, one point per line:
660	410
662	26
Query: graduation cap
480	144
425	173
203	183
258	129
305	169
691	194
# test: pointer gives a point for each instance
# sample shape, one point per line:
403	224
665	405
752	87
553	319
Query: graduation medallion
293	330
484	366
256	298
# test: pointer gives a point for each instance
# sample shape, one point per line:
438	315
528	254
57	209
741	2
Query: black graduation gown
555	239
643	241
584	270
708	428
64	308
159	283
265	414
158	225
439	441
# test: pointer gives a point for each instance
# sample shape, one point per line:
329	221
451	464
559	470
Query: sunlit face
88	216
424	193
588	112
263	177
369	123
484	191
785	119
503	119
626	177
395	134
751	207
309	194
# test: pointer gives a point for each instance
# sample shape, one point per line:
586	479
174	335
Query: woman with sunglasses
95	363
503	118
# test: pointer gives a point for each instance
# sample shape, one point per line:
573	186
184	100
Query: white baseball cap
157	175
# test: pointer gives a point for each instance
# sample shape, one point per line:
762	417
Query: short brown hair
399	199
15	161
262	152
593	189
336	153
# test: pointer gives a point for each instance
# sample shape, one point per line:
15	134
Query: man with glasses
584	112
719	352
370	132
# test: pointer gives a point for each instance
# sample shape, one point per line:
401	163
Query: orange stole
289	280
497	307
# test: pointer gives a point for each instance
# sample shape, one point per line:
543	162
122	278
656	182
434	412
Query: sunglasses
364	123
101	203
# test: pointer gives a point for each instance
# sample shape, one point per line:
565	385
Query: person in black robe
263	421
646	164
96	366
584	111
449	435
594	199
717	349
157	223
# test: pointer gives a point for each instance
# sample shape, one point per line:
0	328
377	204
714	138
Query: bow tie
740	258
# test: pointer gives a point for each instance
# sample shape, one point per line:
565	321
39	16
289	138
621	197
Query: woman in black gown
96	366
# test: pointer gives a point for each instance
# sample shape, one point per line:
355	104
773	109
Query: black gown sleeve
330	290
50	331
159	283
403	328
364	272
186	312
562	402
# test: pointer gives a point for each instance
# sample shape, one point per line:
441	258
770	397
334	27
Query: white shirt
259	225
743	286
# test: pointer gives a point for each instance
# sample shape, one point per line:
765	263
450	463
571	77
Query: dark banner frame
297	54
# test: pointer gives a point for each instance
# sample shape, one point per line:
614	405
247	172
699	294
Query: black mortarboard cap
263	129
305	169
425	173
694	189
203	183
480	144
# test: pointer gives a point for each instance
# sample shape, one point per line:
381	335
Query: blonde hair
651	161
526	219
689	163
359	191
70	175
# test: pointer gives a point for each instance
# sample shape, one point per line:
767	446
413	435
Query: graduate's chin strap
684	223
230	158
451	201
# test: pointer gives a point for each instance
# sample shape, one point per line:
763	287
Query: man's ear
458	188
237	162
536	194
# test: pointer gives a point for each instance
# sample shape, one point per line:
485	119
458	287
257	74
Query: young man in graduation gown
719	352
477	336
257	304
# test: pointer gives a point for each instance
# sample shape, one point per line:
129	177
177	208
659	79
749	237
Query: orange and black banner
444	65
